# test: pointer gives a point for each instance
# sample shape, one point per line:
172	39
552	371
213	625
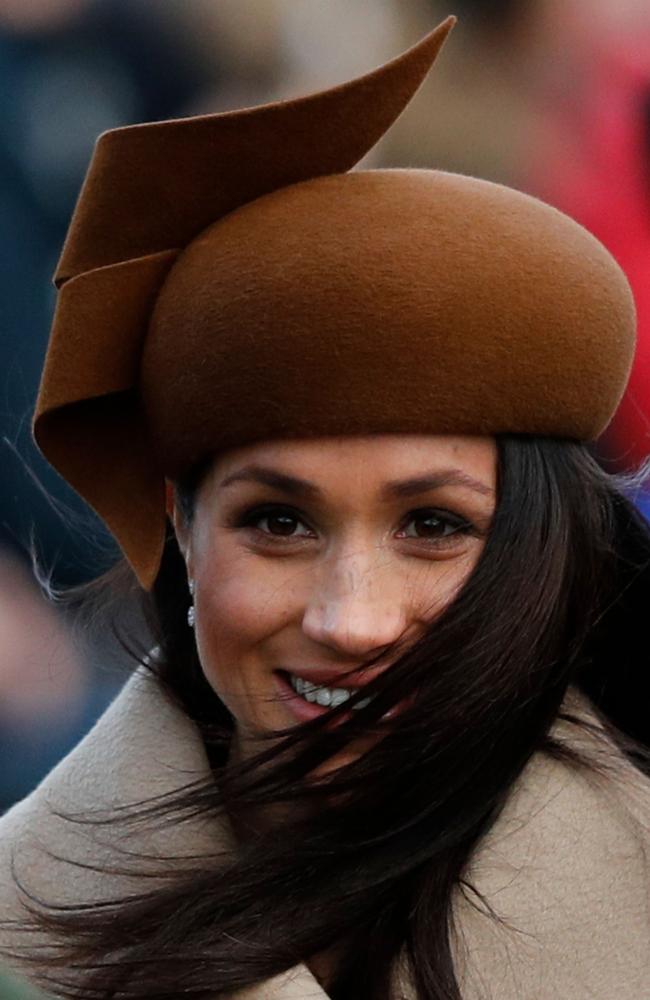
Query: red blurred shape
593	162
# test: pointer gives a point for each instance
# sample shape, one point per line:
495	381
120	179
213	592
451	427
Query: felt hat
229	278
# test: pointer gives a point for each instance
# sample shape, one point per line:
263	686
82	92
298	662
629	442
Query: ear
177	520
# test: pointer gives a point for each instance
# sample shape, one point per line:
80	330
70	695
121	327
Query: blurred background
549	96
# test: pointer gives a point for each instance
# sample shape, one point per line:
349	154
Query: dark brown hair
368	859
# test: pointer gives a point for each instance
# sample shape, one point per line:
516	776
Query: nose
358	606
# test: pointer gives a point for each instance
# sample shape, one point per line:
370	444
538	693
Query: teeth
321	695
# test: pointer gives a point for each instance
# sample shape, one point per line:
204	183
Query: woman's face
309	556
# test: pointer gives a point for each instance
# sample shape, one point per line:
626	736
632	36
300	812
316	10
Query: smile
325	696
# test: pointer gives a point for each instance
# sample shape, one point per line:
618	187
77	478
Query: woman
391	740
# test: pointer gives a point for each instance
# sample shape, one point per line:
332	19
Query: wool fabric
564	865
230	278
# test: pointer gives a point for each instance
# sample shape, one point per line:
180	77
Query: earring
191	615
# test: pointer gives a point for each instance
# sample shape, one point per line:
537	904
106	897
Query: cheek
430	588
459	575
240	603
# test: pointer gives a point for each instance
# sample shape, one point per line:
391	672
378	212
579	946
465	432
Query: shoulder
143	747
567	866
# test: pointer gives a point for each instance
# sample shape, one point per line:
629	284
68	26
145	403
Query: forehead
364	460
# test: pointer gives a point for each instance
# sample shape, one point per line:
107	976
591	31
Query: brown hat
228	279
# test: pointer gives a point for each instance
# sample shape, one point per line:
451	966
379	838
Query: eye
437	526
273	520
279	523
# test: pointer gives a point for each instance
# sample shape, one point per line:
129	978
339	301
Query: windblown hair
370	856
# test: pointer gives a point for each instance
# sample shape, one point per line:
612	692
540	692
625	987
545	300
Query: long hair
369	857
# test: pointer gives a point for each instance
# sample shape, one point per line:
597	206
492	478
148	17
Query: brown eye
435	525
279	524
273	521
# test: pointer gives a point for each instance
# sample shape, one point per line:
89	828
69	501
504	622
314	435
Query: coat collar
142	745
562	861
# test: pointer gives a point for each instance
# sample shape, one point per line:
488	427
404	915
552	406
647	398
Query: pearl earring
191	614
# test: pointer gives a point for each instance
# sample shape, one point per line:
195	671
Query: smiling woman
288	594
392	740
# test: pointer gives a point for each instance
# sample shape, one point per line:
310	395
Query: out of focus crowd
550	96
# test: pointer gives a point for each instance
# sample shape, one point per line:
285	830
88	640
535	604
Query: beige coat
564	862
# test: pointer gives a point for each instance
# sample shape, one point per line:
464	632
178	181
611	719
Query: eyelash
249	518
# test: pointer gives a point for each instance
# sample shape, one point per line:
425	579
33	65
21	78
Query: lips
298	706
309	710
333	679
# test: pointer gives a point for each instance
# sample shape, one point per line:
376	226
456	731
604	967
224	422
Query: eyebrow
395	489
